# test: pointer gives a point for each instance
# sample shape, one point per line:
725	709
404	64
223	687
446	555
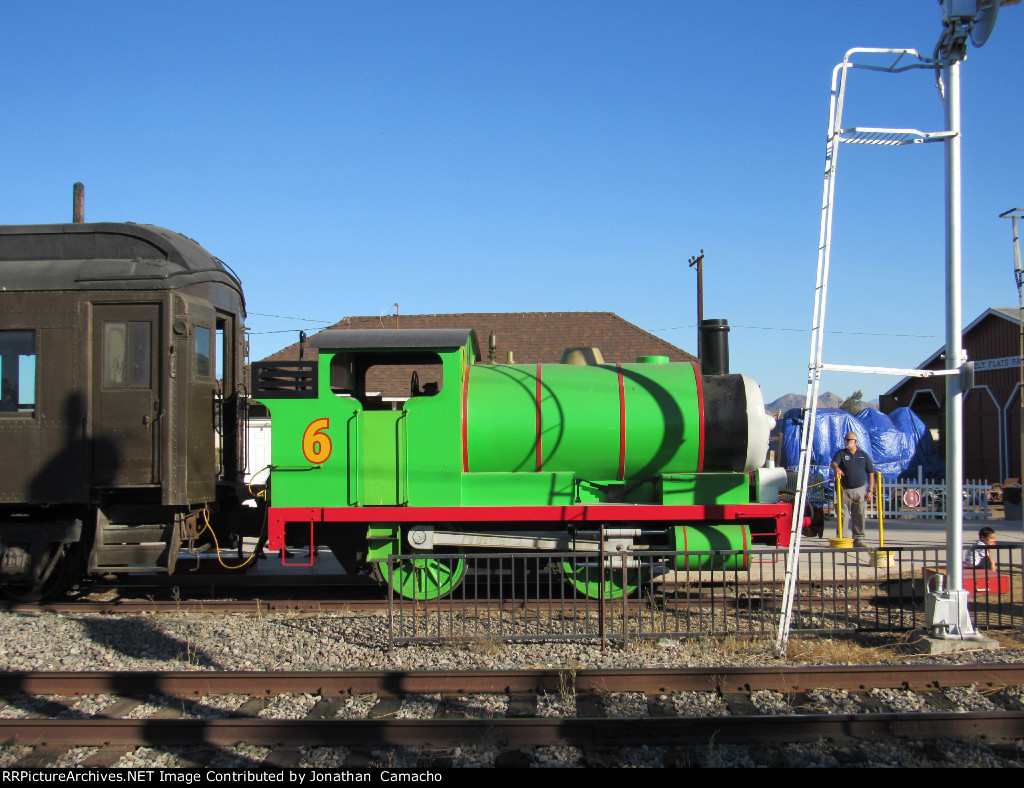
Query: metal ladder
904	60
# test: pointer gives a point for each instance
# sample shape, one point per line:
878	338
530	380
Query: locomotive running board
576	515
580	513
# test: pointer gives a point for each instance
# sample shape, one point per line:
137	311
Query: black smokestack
714	342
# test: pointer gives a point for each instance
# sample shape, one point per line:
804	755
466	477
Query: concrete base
924	643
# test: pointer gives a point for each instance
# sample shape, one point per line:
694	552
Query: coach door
126	394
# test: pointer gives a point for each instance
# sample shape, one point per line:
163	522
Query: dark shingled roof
533	337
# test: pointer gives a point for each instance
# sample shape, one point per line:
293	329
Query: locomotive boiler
595	459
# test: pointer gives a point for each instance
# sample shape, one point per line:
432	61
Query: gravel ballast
358	641
343	641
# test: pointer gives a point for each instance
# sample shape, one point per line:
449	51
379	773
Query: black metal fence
505	597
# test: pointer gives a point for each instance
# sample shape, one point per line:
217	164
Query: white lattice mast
961	19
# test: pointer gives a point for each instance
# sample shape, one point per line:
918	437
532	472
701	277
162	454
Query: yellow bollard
839	542
878	503
881	557
839	507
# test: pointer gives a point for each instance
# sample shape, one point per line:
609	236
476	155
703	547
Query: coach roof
102	255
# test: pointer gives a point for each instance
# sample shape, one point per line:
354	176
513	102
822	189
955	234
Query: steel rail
391	683
1000	726
201	606
675	594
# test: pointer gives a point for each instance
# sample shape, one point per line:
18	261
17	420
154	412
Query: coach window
204	352
127	355
17	371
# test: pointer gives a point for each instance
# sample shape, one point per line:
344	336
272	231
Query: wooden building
992	408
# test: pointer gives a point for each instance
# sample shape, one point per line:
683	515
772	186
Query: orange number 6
316	446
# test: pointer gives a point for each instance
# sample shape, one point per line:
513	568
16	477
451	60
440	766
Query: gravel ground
770	702
324	758
900	701
969	699
832	701
358	707
352	641
288	707
344	641
549	705
698	704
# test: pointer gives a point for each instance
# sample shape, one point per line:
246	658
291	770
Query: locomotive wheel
423	578
585	577
52	580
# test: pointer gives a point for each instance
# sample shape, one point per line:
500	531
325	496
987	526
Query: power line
807	331
280	331
289	317
326	324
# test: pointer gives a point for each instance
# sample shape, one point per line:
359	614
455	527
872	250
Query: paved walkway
926	533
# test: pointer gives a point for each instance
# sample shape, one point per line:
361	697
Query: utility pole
1018	272
698	262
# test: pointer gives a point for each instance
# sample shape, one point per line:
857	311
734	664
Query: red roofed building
531	337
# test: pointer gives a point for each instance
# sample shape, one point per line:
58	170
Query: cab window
384	381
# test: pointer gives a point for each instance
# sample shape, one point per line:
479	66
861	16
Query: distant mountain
787	401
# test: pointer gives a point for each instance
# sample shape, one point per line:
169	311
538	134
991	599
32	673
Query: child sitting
979	557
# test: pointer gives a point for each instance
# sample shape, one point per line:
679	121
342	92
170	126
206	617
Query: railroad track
360	598
200	606
452	718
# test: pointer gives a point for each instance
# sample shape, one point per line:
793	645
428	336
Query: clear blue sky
526	156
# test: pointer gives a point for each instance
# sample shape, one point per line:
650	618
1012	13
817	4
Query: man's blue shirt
855	467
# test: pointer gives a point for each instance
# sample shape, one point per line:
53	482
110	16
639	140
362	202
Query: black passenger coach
122	409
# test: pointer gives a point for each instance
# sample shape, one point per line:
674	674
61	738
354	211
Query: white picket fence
926	499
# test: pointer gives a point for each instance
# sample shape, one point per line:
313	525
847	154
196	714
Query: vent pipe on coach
78	208
714	341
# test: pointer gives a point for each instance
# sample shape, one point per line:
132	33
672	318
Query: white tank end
759	425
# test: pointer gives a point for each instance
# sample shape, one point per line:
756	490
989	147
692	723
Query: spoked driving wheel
585	576
423	576
427	577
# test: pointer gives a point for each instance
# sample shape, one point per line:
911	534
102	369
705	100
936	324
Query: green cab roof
396	339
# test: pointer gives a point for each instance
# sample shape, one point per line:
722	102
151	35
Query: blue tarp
922	445
890	449
896	443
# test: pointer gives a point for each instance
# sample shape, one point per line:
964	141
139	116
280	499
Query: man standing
857	473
